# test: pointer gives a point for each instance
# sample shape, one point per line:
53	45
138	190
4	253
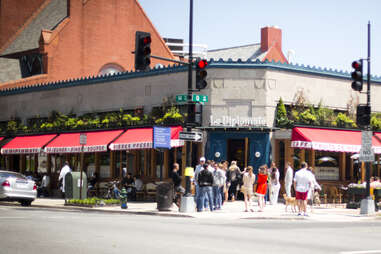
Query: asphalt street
36	230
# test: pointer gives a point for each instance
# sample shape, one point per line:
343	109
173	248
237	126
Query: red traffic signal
357	75
202	64
142	50
201	74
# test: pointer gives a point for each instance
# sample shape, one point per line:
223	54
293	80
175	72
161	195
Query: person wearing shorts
302	183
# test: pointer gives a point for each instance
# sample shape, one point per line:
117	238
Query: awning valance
142	139
27	144
69	142
330	140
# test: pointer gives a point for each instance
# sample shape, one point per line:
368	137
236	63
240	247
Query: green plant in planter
281	114
342	120
308	117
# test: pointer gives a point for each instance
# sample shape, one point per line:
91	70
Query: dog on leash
316	198
290	201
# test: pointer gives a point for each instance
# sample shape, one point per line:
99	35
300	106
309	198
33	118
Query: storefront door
236	151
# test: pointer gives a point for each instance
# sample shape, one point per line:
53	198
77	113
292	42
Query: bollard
123	199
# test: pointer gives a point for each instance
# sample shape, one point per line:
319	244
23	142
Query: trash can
164	196
72	185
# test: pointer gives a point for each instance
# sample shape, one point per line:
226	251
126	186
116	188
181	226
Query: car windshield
12	174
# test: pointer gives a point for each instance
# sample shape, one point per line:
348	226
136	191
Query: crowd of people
216	183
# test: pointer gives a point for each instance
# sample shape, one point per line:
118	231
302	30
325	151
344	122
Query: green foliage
308	117
281	114
171	116
342	120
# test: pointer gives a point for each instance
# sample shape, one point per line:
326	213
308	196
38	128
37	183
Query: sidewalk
230	210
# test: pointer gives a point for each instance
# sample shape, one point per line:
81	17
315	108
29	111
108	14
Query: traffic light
357	76
195	116
142	50
201	74
363	115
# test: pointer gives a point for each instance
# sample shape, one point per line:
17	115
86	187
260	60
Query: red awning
329	140
69	142
175	133
27	144
142	139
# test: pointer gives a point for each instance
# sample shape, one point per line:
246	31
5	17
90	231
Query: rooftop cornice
91	80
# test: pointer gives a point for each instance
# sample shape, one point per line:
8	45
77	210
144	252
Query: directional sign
191	136
366	151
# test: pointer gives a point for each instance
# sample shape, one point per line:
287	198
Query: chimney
271	37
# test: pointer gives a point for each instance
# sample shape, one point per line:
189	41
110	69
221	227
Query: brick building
49	40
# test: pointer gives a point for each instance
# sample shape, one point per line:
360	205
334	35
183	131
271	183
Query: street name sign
181	98
83	139
199	98
195	97
191	136
366	151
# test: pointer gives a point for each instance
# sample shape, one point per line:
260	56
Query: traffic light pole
189	97
368	164
367	205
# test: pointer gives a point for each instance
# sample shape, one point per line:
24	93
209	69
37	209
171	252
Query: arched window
110	69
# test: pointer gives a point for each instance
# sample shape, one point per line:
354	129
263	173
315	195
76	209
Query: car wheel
26	202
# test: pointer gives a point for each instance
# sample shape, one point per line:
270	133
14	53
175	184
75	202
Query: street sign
82	139
181	98
191	136
195	97
161	137
199	98
366	151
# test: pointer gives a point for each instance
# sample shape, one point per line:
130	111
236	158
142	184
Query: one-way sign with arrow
191	136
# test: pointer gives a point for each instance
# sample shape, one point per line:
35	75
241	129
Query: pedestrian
288	178
302	183
199	167
176	179
225	167
205	182
247	186
219	179
261	186
233	176
61	178
275	184
314	186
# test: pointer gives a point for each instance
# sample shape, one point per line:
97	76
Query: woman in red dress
261	186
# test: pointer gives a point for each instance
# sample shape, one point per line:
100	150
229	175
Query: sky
324	33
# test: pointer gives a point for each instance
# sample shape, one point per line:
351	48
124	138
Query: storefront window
30	163
130	162
326	165
89	162
104	169
296	158
120	162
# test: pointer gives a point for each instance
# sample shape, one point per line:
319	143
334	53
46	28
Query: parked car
17	187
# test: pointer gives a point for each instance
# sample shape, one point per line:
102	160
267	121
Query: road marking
362	252
7	218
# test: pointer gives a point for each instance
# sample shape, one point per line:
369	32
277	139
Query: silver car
16	187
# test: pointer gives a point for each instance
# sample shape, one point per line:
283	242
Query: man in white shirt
288	179
65	169
302	183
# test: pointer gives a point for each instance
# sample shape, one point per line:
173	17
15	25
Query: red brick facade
14	14
95	34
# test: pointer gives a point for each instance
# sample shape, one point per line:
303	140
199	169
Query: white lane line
7	218
362	252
